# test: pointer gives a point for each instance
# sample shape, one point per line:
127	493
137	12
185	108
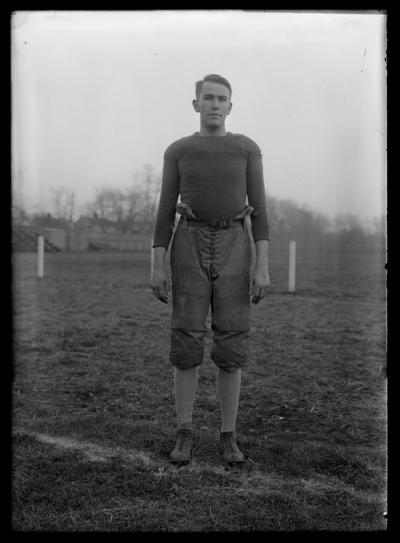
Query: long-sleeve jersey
213	175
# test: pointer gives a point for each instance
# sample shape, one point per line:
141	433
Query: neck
205	131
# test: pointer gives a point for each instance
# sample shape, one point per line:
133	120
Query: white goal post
40	256
292	266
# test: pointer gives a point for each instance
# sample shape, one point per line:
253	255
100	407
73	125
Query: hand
160	284
260	286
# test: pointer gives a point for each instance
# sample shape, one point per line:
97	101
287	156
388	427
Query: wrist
261	264
159	254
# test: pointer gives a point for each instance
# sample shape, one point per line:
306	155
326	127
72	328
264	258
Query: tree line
137	204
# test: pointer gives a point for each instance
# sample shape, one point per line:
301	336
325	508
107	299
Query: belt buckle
219	224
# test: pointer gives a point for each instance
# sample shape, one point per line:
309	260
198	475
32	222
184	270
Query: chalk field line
254	482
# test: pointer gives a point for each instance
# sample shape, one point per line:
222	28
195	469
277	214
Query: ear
195	103
230	108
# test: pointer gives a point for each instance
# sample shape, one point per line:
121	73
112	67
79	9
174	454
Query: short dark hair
215	78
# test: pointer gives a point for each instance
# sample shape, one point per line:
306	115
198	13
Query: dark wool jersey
213	174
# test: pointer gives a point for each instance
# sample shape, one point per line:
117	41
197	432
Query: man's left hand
260	286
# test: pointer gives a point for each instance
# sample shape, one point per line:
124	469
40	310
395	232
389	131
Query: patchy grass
93	406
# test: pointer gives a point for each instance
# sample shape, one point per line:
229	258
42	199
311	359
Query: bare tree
124	207
149	185
131	200
349	227
19	214
291	220
107	206
64	204
377	227
120	207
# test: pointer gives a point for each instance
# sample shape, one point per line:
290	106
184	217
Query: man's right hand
159	278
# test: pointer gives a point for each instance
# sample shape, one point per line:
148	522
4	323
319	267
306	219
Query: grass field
93	406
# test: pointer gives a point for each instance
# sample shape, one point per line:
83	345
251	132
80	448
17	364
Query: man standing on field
213	171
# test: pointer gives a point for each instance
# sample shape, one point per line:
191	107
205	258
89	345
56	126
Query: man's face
213	104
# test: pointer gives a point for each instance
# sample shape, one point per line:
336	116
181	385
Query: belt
219	224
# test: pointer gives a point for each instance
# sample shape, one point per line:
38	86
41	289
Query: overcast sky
96	95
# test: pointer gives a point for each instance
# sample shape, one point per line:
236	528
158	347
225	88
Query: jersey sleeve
256	193
165	218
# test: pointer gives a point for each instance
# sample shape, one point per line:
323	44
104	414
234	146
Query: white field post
40	256
292	266
151	257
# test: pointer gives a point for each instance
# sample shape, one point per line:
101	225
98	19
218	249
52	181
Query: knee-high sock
228	383
185	383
